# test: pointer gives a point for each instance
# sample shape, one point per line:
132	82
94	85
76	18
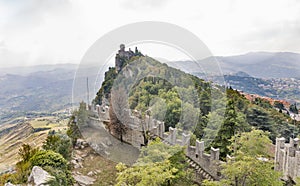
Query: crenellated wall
102	112
287	158
209	163
287	155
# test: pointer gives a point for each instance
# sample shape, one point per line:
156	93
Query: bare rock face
81	144
83	180
38	176
9	184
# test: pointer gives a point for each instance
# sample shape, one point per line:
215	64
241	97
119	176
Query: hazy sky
60	31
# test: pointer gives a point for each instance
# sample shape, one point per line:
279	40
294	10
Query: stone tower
121	57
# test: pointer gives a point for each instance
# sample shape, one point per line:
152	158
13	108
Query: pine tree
227	130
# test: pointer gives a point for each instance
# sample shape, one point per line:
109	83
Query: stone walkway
107	145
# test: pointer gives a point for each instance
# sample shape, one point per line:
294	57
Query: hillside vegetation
169	94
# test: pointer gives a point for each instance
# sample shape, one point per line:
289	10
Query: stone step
193	165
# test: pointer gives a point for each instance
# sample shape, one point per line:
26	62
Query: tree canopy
250	164
158	164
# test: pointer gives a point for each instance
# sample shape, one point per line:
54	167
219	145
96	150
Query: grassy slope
12	136
107	172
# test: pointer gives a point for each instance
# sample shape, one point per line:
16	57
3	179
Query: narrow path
107	145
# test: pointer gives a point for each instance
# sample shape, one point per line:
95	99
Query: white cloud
55	31
144	4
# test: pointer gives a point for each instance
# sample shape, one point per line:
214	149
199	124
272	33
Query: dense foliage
293	108
251	164
170	96
224	119
55	164
78	117
60	144
106	86
51	159
158	164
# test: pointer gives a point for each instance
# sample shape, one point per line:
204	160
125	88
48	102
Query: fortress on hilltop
122	56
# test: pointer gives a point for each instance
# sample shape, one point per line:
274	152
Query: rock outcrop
81	144
9	184
83	180
38	177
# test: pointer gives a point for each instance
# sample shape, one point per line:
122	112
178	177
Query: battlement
134	135
123	55
287	158
102	112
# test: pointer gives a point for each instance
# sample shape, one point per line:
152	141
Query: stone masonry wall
287	158
208	162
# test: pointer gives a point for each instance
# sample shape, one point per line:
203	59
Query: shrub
59	144
49	158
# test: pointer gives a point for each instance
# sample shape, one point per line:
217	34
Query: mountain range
256	64
46	88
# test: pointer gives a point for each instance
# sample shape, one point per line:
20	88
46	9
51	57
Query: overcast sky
60	31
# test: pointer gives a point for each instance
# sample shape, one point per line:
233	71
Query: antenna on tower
88	91
294	126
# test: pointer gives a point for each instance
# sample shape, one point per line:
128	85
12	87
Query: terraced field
33	132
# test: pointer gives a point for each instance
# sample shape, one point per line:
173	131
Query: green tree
173	111
26	152
157	151
213	126
51	143
205	102
189	116
23	167
49	158
201	125
73	131
278	105
158	164
158	173
106	86
158	109
255	143
259	118
61	177
55	164
250	165
227	130
293	108
60	144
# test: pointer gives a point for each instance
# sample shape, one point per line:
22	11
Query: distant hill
29	92
264	64
44	88
26	70
49	87
269	74
277	88
256	64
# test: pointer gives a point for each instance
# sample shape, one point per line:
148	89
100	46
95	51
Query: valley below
38	100
32	131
